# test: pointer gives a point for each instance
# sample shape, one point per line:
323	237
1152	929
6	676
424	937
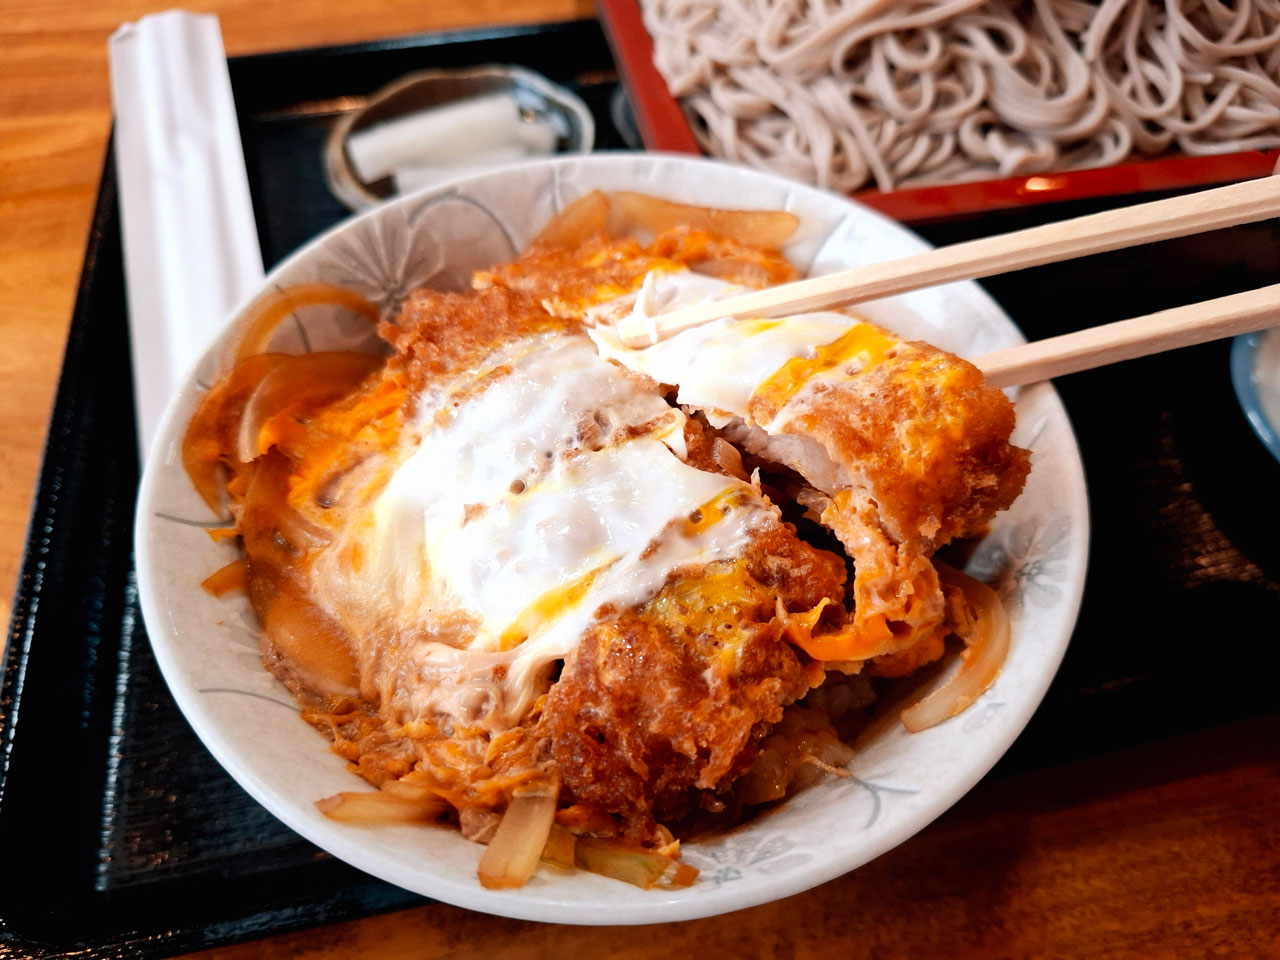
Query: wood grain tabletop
1171	849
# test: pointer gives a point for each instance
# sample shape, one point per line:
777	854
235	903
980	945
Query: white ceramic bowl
208	651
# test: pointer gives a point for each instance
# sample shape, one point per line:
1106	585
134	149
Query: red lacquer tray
663	126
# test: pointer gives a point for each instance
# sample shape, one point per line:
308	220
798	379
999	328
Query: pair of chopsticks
1228	206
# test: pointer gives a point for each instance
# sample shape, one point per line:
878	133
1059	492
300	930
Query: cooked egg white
554	493
720	365
749	377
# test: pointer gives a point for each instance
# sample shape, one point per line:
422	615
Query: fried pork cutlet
548	507
904	445
505	561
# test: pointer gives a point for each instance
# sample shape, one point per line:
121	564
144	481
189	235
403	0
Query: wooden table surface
1171	849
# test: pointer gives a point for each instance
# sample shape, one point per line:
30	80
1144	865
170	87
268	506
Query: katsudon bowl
207	647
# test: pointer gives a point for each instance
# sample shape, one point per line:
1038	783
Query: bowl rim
657	907
1244	349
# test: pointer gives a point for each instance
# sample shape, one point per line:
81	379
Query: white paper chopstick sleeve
190	243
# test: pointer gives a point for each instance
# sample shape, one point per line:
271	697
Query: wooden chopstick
1220	207
1128	339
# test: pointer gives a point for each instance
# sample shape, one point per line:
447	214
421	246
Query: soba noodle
842	92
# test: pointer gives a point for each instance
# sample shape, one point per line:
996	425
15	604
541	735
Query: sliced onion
580	220
314	646
381	806
758	228
267	313
207	443
559	848
234	576
632	864
295	388
512	854
987	638
407	790
272	530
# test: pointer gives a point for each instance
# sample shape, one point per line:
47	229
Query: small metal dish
537	97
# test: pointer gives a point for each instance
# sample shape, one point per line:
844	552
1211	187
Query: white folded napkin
190	243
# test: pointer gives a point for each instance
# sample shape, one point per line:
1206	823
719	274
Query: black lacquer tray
122	837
